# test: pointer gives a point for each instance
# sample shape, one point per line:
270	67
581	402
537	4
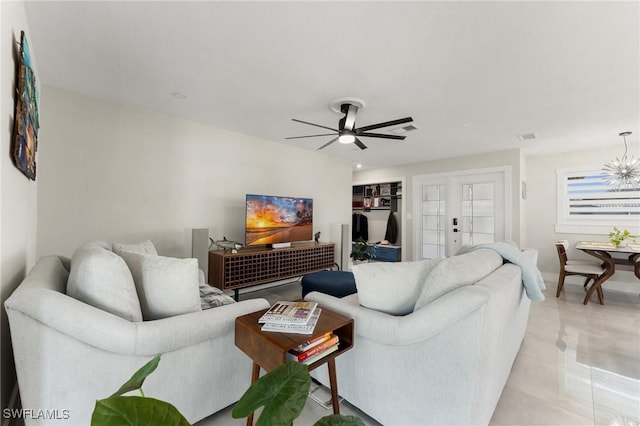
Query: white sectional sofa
437	341
70	353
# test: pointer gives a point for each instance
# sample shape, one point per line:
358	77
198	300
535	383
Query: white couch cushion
457	271
145	247
167	286
102	279
391	287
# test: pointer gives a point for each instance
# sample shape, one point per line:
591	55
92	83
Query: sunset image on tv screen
272	219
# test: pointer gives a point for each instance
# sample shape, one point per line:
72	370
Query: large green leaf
136	410
283	393
136	381
339	420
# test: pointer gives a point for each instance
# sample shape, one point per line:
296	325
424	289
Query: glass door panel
478	207
433	221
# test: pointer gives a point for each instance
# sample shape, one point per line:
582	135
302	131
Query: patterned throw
213	297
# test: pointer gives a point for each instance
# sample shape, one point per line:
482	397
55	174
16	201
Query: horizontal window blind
589	196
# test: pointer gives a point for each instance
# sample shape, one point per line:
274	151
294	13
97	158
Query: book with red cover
301	356
320	355
313	342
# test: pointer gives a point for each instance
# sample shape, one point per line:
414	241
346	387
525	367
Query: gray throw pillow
102	279
167	286
145	247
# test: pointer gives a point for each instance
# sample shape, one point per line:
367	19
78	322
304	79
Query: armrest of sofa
114	334
414	327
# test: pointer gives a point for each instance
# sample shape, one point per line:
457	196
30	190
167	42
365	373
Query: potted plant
119	409
283	392
617	236
360	251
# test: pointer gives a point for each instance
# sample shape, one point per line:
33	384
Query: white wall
18	200
541	211
117	173
471	162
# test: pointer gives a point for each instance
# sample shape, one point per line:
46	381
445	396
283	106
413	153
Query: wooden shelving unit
253	266
382	196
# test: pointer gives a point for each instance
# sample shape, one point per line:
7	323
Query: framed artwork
26	121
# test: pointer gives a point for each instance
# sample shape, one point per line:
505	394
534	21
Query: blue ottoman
335	283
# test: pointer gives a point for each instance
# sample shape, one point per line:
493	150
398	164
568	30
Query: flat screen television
274	219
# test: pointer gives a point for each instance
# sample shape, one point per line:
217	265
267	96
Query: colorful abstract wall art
26	124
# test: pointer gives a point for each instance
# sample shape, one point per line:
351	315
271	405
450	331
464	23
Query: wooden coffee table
268	350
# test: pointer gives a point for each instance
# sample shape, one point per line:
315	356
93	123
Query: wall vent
527	137
404	129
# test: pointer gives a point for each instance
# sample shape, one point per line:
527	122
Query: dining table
610	255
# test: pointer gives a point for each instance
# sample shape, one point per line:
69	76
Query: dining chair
565	243
585	268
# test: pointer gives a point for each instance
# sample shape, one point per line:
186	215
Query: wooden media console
253	266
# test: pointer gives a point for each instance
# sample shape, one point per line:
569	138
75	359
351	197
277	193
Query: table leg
610	269
255	374
331	364
635	261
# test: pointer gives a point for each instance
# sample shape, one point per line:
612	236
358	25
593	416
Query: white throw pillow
102	279
167	286
457	271
145	247
391	287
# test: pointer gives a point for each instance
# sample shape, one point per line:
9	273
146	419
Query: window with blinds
586	200
590	195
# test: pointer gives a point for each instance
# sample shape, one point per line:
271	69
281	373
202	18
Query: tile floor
578	365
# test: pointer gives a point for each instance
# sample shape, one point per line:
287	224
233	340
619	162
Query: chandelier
625	172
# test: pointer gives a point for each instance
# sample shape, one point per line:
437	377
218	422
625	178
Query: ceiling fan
347	132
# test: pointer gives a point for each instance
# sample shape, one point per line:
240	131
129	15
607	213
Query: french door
460	209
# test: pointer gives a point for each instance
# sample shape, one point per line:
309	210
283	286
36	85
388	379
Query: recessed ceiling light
358	166
179	95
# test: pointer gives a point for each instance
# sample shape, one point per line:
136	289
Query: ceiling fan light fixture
623	173
346	138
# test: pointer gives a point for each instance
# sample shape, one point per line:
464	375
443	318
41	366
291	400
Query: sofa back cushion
391	287
166	286
457	271
102	279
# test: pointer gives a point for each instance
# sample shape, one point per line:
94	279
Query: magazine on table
289	313
297	328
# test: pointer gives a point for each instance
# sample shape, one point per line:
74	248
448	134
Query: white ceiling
473	75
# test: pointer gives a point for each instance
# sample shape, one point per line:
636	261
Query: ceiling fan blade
313	124
310	136
381	135
359	144
327	144
385	124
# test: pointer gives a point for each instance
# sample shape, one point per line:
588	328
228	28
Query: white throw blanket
531	276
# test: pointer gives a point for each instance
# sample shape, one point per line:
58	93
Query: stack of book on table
291	317
314	349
